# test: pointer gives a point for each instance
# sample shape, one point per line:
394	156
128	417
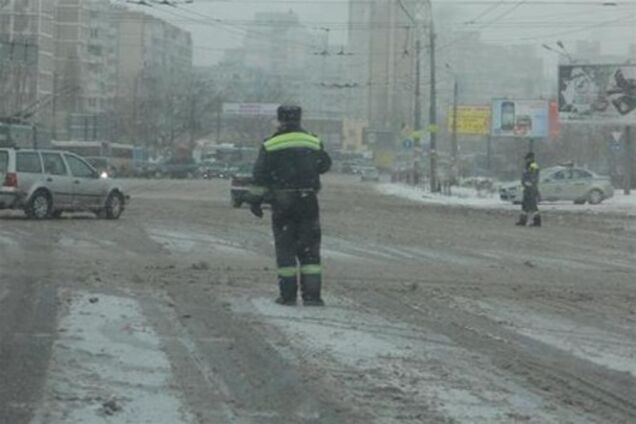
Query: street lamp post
433	106
432	126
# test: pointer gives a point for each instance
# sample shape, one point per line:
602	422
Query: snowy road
436	314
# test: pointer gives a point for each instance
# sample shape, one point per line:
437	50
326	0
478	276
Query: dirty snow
468	197
586	342
413	371
180	242
108	367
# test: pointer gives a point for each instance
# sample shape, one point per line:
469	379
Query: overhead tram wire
485	12
203	16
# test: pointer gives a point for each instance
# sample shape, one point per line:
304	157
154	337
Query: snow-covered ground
468	197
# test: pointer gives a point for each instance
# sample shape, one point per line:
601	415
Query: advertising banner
250	109
520	118
597	93
471	120
555	127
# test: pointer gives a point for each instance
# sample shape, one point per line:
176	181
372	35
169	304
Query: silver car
369	174
565	183
46	183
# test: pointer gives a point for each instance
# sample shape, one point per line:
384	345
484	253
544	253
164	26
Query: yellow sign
471	120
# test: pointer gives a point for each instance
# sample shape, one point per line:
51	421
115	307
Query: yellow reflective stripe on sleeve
534	165
288	271
292	140
257	190
310	269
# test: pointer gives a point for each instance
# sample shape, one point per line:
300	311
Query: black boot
523	220
288	287
311	285
536	221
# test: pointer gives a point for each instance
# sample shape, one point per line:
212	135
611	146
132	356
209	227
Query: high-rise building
381	32
154	77
85	78
26	58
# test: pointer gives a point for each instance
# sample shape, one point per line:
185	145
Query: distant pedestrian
288	170
530	202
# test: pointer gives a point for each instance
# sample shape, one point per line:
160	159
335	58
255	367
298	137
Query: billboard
471	120
597	93
520	118
250	109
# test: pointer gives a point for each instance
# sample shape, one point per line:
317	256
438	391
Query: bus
114	158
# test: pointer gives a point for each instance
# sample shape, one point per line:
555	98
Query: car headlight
104	174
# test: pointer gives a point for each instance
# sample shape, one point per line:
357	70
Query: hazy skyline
531	22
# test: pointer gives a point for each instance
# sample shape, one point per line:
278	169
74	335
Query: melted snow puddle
399	371
107	352
592	344
188	242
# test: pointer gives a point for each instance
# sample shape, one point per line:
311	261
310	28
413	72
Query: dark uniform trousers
297	236
530	200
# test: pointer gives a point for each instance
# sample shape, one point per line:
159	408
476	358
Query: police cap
289	113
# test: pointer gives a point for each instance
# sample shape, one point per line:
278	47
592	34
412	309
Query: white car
369	174
564	183
45	183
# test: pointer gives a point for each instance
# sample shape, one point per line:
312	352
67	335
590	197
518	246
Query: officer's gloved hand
256	210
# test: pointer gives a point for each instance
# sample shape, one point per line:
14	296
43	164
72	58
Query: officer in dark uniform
530	183
287	175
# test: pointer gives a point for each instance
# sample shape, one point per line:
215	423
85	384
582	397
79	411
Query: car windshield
317	211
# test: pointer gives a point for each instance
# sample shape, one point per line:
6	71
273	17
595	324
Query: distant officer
287	173
530	183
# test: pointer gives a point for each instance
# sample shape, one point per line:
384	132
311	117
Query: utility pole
629	161
433	109
417	119
454	146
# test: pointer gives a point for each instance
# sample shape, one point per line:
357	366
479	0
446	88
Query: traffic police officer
530	183
287	175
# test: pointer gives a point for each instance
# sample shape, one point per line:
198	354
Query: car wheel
595	197
114	205
39	206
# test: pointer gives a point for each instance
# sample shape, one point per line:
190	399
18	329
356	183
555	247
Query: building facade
383	36
154	78
85	78
26	59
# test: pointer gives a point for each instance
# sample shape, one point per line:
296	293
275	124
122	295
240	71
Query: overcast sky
505	22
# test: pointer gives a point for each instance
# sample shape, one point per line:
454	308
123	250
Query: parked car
174	168
46	183
564	183
211	170
240	184
369	174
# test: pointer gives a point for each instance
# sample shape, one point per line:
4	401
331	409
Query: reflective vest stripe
292	140
257	190
287	271
310	269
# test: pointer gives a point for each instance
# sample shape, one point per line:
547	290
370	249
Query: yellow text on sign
471	120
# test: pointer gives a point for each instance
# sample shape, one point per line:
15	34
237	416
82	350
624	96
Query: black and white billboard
597	93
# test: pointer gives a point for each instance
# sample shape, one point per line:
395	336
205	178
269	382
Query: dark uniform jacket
530	178
292	159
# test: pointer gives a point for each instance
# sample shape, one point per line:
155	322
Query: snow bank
468	197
